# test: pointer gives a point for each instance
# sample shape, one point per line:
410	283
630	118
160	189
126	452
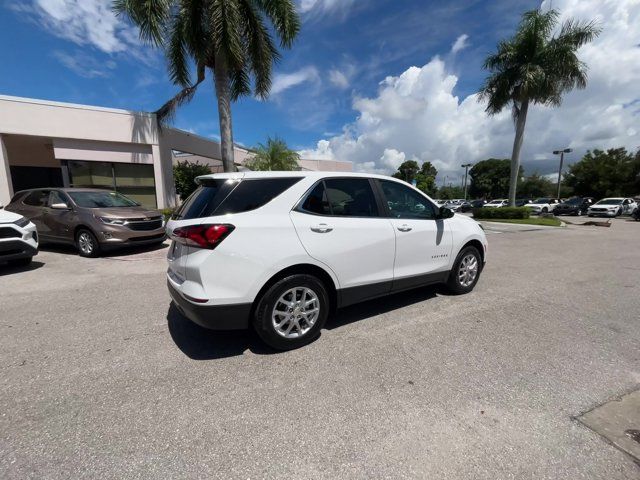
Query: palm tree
274	156
231	39
535	66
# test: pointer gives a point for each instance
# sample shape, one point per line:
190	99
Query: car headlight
21	222
112	221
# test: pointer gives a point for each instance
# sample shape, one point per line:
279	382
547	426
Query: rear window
222	197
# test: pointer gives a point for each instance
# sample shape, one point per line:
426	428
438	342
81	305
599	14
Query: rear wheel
292	312
87	243
466	271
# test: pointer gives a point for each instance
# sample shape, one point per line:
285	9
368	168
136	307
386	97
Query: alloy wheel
468	270
295	312
85	243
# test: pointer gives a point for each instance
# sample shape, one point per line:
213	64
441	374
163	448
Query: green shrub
185	174
503	212
167	212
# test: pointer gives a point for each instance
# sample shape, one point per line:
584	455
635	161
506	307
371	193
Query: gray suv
91	219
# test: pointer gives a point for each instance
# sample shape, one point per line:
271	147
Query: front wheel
466	271
87	243
292	312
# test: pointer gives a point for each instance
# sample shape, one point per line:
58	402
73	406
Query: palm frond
151	16
284	17
177	62
167	111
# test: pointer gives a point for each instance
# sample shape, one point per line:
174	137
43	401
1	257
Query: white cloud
460	43
284	81
84	22
321	152
339	79
417	113
84	65
326	6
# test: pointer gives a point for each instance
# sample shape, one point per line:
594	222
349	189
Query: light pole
466	172
561	153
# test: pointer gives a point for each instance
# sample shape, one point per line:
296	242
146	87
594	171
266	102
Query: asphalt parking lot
101	378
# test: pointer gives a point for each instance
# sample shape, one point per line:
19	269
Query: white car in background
497	203
543	205
613	207
18	239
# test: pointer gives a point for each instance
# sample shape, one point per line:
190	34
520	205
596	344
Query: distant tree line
615	172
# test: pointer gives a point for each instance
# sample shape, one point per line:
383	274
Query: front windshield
574	201
101	199
541	200
610	201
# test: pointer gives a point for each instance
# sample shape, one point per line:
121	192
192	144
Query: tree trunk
223	93
515	155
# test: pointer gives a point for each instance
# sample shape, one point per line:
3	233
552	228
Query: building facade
53	144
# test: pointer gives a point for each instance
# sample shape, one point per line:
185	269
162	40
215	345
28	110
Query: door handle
405	228
322	228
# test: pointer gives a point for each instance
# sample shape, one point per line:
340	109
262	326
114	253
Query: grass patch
544	221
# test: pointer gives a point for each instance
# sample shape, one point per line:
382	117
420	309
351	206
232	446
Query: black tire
545	210
618	212
262	320
453	283
86	236
20	262
590	215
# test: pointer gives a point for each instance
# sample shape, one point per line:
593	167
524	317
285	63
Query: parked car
543	205
521	202
465	207
279	250
91	219
478	203
574	206
613	207
18	239
497	203
452	205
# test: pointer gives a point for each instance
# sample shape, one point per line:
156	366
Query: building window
136	181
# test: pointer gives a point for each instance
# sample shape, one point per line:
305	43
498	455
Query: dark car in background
574	206
91	219
521	202
478	203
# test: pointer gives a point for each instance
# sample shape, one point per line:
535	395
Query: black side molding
353	295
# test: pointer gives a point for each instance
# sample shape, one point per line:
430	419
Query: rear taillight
202	236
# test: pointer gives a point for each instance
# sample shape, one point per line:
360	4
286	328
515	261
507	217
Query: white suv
18	239
280	250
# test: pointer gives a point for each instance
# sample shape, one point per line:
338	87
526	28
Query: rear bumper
16	249
214	317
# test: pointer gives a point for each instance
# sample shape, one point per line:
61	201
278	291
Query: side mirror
60	206
444	213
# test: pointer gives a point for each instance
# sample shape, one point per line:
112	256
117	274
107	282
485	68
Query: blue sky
330	87
364	43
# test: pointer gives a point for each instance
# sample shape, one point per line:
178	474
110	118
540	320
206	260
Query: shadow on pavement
379	306
202	344
109	253
199	343
7	269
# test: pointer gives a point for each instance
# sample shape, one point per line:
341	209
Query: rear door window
351	197
341	197
316	201
37	198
